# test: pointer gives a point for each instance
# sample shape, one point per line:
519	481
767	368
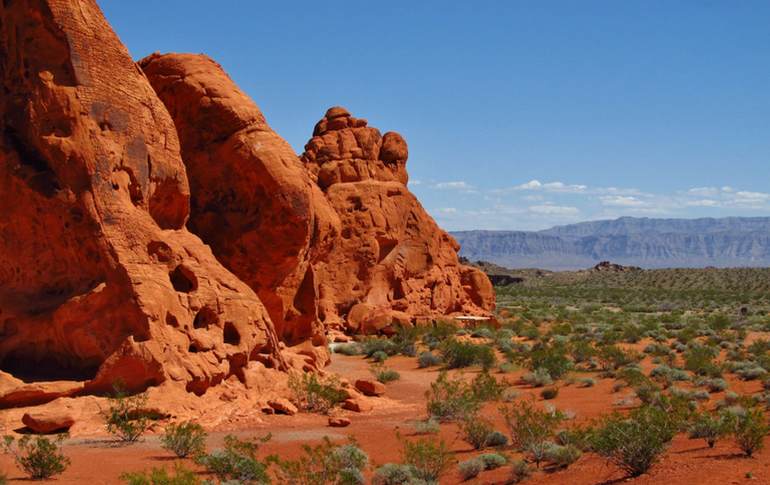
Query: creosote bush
383	374
38	457
184	439
126	416
531	429
428	458
237	461
315	394
457	354
161	476
450	399
326	463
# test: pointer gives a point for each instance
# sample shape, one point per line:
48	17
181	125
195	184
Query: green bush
531	428
549	393
373	345
471	468
562	456
539	378
315	394
700	360
485	387
457	354
383	374
429	458
349	349
326	463
126	416
161	476
379	356
38	457
428	359
551	358
395	474
450	399
237	461
496	439
520	471
708	427
429	426
476	431
493	460
634	443
184	439
749	429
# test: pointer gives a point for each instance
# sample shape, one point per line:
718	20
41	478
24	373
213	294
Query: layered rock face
252	200
100	278
392	263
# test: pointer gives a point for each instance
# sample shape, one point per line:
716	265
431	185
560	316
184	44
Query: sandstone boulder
338	422
48	422
252	200
370	387
283	406
101	281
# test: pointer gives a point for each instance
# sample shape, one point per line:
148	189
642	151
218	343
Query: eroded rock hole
231	334
183	279
205	318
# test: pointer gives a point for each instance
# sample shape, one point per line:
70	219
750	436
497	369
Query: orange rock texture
101	281
154	229
392	263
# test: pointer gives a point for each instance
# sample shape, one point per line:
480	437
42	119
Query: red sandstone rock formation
252	200
100	279
392	262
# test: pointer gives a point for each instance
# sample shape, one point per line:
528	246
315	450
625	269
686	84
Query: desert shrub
237	461
429	458
709	427
126	417
613	357
579	436
551	358
634	443
438	333
379	356
476	431
507	367
751	373
38	457
587	382
562	456
373	345
184	439
428	359
549	393
471	468
716	385
485	387
429	426
394	474
457	354
581	351
326	463
350	349
383	374
510	394
493	460
450	399
749	429
520	471
531	428
700	360
405	340
539	378
483	332
496	439
161	476
315	394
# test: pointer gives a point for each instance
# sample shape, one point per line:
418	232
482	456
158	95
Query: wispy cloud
554	210
456	185
621	201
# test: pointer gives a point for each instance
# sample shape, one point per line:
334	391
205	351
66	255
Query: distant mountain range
644	242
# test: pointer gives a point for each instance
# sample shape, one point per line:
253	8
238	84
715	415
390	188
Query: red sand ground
96	460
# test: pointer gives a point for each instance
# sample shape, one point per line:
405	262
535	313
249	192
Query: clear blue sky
518	115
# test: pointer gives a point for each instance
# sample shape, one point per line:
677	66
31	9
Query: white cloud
559	210
454	185
703	203
447	210
621	201
704	191
550	187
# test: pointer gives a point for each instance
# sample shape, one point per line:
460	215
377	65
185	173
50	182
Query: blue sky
518	115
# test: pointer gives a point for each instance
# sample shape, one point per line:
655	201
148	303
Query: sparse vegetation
184	439
314	393
237	461
126	416
326	463
39	457
161	476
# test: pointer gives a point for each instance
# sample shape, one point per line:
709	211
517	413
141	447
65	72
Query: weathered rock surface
100	278
392	262
252	200
370	387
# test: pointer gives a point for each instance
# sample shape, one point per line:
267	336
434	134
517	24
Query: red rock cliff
100	279
392	262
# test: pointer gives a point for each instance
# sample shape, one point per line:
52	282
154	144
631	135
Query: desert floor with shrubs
637	379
